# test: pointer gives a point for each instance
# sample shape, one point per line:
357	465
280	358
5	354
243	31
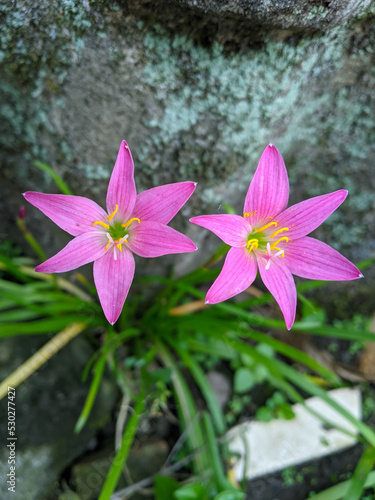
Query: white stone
272	446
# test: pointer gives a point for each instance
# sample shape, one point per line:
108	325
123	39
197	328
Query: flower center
265	241
116	233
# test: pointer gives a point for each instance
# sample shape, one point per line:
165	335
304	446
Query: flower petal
81	250
74	214
121	188
279	281
112	280
307	215
238	273
232	229
269	188
313	259
152	239
162	203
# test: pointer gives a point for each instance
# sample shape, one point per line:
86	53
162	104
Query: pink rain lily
132	224
273	239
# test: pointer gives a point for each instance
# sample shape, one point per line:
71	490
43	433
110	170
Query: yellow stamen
265	227
101	223
280	231
130	221
107	245
274	247
252	244
119	244
109	217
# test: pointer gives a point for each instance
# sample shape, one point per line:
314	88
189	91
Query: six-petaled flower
132	224
273	239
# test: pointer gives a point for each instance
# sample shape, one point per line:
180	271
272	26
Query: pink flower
272	238
132	224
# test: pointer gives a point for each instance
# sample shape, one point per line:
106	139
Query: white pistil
270	256
115	244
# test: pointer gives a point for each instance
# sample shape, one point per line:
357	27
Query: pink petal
74	214
232	229
112	280
238	273
81	250
161	203
121	188
279	281
152	239
306	216
269	188
313	259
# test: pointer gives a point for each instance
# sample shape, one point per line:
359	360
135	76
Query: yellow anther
130	221
101	223
109	217
265	227
107	245
274	247
252	244
279	231
119	244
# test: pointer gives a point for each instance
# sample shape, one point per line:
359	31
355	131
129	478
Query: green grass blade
206	389
293	353
47	325
121	455
93	391
214	452
187	411
8	265
54	176
303	383
361	473
17	315
339	490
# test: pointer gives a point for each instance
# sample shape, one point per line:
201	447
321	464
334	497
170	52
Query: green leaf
11	267
264	414
17	315
361	473
121	455
339	490
54	176
243	380
187	411
285	411
214	452
278	369
230	495
47	325
192	491
205	387
93	391
165	487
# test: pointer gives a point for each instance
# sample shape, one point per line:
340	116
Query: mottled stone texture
47	407
197	93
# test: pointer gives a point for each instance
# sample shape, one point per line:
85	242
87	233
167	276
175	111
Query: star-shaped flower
132	224
273	239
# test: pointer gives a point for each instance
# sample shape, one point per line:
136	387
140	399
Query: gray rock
47	407
260	16
190	110
221	387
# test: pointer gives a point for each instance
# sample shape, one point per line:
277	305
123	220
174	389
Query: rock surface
194	103
47	406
